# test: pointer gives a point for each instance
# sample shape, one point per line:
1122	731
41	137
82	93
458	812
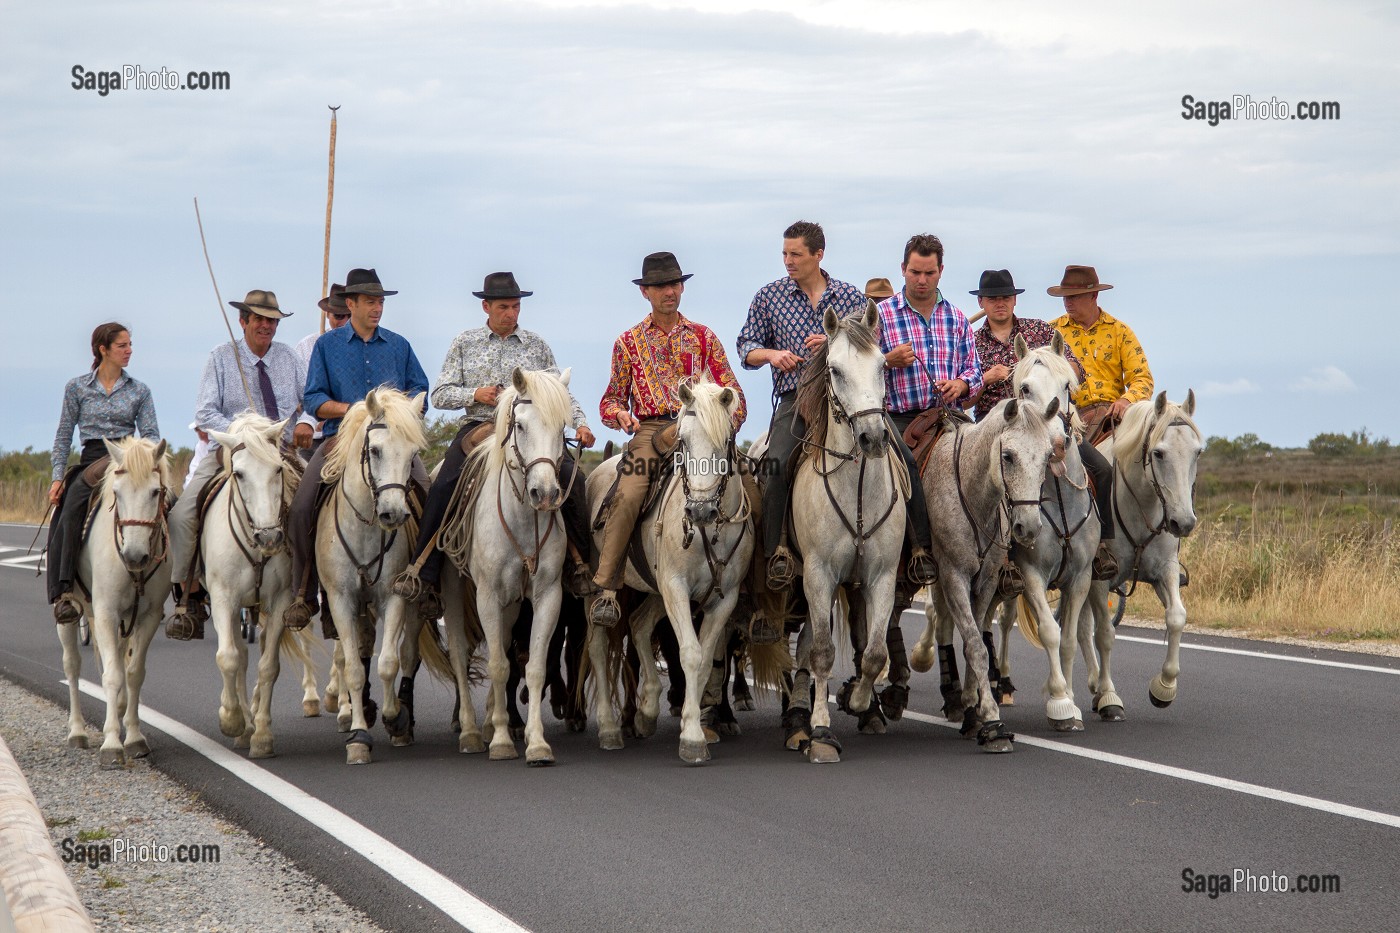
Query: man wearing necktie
276	377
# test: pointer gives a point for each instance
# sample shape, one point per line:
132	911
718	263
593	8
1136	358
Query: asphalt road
913	830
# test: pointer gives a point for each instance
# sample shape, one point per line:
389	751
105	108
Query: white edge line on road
444	894
1184	774
1264	654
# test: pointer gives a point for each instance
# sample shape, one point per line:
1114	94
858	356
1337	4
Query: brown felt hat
879	289
261	303
1078	280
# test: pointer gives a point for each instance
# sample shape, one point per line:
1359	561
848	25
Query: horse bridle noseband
531	561
258	562
709	542
1151	469
142	574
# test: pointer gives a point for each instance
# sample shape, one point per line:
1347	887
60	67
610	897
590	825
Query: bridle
1063	532
258	561
1001	536
1149	465
386	539
142	574
709	542
517	462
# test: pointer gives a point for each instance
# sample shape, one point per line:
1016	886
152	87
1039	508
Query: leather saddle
927	427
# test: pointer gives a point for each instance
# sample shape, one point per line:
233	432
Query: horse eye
1008	457
1158	454
1025	390
155	493
237	474
374	451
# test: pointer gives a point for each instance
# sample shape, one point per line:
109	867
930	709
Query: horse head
1023	451
253	462
1168	448
385	432
856	378
536	410
704	431
136	489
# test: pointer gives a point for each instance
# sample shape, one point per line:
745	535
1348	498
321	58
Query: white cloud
1325	380
1240	386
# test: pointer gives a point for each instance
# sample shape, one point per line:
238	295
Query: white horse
246	565
983	487
848	511
123	581
1155	452
509	542
361	544
698	541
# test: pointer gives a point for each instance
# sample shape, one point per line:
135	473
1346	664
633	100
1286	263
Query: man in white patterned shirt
478	365
275	379
307	436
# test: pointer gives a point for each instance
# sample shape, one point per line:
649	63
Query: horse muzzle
268	540
1182	527
874	444
546	498
702	511
1025	524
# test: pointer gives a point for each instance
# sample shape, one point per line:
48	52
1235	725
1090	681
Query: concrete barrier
38	894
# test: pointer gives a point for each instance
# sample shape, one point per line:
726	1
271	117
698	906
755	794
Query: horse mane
139	462
250	422
714	419
1139	425
1060	368
549	395
401	416
812	400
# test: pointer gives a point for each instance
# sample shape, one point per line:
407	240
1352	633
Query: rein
1067	534
143	574
258	563
1150	468
710	542
386	539
530	561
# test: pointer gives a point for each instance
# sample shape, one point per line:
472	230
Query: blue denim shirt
345	367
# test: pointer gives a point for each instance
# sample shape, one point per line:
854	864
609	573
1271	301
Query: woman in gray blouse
104	404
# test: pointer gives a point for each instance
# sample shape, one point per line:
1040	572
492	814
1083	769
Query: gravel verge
250	887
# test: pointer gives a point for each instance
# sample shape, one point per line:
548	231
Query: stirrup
1010	583
921	569
1105	563
66	610
605	611
579	581
408	586
297	616
430	607
781	571
180	626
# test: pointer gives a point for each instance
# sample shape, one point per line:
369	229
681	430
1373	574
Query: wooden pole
330	197
219	300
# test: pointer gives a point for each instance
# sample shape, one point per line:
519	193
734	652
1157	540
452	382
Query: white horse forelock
1139	424
139	462
550	397
714	417
401	416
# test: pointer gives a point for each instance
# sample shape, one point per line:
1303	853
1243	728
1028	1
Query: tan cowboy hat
261	303
879	289
1078	280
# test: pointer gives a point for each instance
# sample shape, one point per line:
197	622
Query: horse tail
297	644
1027	623
770	663
434	653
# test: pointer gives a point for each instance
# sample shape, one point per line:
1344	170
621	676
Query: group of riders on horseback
927	362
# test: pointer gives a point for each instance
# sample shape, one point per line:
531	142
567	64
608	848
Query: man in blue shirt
346	364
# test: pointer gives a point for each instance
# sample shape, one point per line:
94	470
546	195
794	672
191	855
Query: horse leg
223	613
940	626
894	699
1107	702
104	633
575	645
671	654
921	658
715	712
334	687
73	672
797	718
821	590
878	606
648	689
409	663
310	699
981	708
547	597
1060	709
1162	689
354	678
269	669
738	654
1072	598
497	627
136	745
1005	620
609	733
345	712
554	673
694	743
459	655
396	627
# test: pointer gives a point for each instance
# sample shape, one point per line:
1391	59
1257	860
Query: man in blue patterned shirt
346	364
478	365
275	377
783	329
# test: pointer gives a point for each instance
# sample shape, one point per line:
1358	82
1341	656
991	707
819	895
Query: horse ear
1057	344
420	402
376	410
274	433
517	379
160	451
687	396
566	375
872	315
1021	347
830	322
1053	408
1161	403
117	454
727	397
1189	406
1011	409
227	441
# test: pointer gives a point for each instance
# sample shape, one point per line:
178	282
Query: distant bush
1238	449
1346	445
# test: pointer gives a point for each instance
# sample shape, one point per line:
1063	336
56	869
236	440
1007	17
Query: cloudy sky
565	140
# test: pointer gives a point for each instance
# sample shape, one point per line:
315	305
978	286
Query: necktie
269	397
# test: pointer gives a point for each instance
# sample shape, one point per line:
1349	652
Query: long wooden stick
330	197
219	300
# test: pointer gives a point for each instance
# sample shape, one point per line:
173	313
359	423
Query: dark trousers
1102	473
783	431
574	510
66	524
918	502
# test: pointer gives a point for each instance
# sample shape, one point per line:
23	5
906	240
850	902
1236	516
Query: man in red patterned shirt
649	363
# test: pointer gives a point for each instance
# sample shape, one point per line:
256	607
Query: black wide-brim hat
334	303
261	303
661	269
365	282
500	285
996	283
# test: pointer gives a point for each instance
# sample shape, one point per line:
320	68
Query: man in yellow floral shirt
1115	367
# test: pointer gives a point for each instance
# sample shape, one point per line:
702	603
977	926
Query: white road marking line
1264	654
1184	774
23	563
455	901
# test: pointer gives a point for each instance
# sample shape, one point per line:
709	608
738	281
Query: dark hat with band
1077	280
334	303
661	269
261	303
996	283
365	282
500	285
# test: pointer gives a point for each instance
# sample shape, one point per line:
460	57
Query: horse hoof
402	741
243	741
1160	694
357	753
398	726
138	749
310	708
921	659
694	752
557	708
77	741
331	703
342	723
503	752
999	746
611	740
112	759
745	703
231	723
873	726
820	753
711	736
795	741
456	725
894	700
1007	699
261	748
1112	713
1068	725
539	757
470	744
576	723
728	728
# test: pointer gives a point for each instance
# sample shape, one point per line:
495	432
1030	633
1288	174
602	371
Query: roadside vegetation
1298	542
